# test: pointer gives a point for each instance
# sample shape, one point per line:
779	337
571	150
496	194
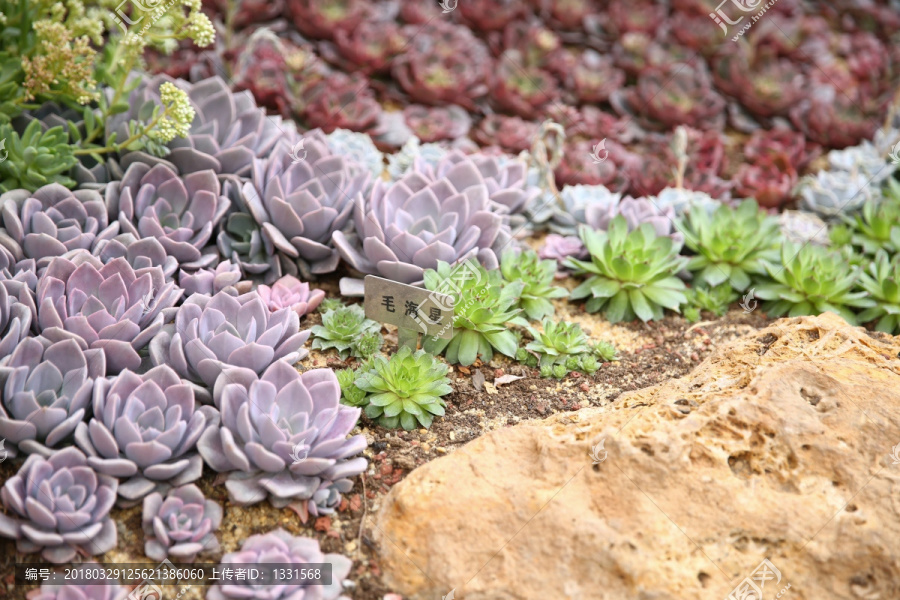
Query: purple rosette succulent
45	391
406	227
506	179
211	281
300	195
140	253
212	333
284	435
179	212
17	314
180	525
144	429
290	292
59	506
112	307
51	221
560	247
108	590
281	548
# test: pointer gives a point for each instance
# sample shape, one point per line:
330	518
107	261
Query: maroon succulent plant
443	64
770	181
321	19
371	46
595	77
512	134
578	166
666	97
765	87
268	65
437	123
627	16
522	90
490	15
832	119
636	51
532	39
340	101
765	145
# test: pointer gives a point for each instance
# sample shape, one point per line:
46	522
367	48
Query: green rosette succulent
350	394
713	299
631	274
812	281
882	281
731	244
537	275
877	226
36	158
342	329
484	304
330	304
563	347
405	390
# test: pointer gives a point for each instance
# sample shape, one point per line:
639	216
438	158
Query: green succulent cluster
877	226
562	347
350	394
730	245
36	158
630	274
811	280
484	304
330	304
882	282
348	331
537	275
713	299
404	390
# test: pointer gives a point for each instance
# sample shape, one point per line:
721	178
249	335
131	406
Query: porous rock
776	447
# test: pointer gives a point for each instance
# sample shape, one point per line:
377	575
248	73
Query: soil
649	353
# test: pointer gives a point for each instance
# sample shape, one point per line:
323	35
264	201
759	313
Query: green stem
126	143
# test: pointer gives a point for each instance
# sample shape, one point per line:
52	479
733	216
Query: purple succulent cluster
180	525
284	435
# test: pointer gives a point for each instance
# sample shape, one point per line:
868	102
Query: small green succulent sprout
812	280
731	244
882	281
878	224
350	394
342	328
367	345
558	341
606	351
484	304
564	347
405	390
330	304
537	275
529	359
631	274
712	299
